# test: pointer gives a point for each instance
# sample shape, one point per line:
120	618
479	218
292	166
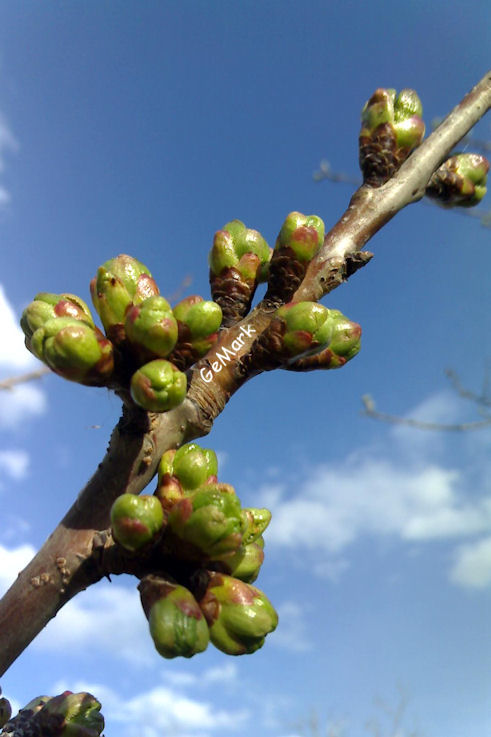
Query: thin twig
8	384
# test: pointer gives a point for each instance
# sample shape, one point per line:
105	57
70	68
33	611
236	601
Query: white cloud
339	503
25	400
106	618
472	566
160	710
12	561
291	633
7	143
14	463
399	490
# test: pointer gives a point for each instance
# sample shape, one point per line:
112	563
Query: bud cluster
391	127
147	344
213	548
239	261
306	335
67	715
459	181
298	241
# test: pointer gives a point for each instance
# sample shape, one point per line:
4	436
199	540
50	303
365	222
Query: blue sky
142	127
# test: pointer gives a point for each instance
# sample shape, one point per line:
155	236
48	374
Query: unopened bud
298	241
239	615
151	327
391	128
136	520
459	181
208	522
177	624
158	386
120	282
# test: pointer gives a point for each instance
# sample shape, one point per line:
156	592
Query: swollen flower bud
158	386
461	180
239	615
207	523
136	520
151	328
79	714
391	128
120	282
176	622
298	241
74	350
254	522
47	306
246	563
184	470
238	262
198	322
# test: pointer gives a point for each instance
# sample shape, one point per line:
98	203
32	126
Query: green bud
47	306
238	263
303	234
308	327
120	282
208	522
80	712
460	181
246	563
298	241
151	327
194	465
176	622
254	523
158	386
199	317
5	711
239	615
391	128
136	520
74	350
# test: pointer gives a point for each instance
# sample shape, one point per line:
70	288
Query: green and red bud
184	470
74	350
191	464
207	523
177	624
245	564
158	386
198	322
120	282
254	523
136	520
299	239
151	328
238	262
239	615
47	306
79	714
459	181
391	128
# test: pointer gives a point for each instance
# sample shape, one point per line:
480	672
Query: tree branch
57	572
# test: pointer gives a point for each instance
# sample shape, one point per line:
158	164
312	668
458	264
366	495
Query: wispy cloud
8	144
13	560
292	634
390	491
106	618
14	463
25	400
472	565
